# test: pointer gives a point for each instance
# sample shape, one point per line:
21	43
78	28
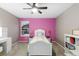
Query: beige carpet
20	49
58	49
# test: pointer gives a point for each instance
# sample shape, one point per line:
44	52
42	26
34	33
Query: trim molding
23	41
59	44
53	41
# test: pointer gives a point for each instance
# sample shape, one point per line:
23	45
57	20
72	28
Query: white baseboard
53	41
58	44
22	41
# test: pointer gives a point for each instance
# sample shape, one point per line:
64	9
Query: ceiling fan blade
27	8
34	4
39	11
42	7
29	4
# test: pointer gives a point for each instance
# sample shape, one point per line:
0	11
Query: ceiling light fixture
34	10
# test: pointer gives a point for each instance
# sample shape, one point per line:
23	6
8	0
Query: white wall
10	21
66	22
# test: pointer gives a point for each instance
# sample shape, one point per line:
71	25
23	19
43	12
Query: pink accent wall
48	24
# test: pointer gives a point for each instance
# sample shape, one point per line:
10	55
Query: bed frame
40	48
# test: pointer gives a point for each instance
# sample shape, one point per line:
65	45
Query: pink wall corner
48	24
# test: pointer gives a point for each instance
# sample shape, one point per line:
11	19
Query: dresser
6	43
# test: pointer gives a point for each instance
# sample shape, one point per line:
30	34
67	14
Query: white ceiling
54	9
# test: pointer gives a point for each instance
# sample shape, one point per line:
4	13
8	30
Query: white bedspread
36	39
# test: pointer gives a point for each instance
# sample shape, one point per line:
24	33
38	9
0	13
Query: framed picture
25	28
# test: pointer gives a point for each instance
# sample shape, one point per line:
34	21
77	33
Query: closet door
24	31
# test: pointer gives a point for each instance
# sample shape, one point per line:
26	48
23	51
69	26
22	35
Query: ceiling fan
35	8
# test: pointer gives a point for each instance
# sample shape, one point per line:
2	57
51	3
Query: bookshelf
71	45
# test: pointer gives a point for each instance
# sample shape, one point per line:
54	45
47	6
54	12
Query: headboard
39	32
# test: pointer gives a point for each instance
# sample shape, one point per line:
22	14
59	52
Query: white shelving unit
5	41
75	46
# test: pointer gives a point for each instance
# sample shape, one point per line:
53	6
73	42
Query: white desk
7	42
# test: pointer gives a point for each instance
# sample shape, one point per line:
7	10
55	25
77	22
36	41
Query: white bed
39	45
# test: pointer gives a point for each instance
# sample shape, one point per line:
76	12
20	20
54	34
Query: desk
7	42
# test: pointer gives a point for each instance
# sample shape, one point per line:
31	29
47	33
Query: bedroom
26	28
